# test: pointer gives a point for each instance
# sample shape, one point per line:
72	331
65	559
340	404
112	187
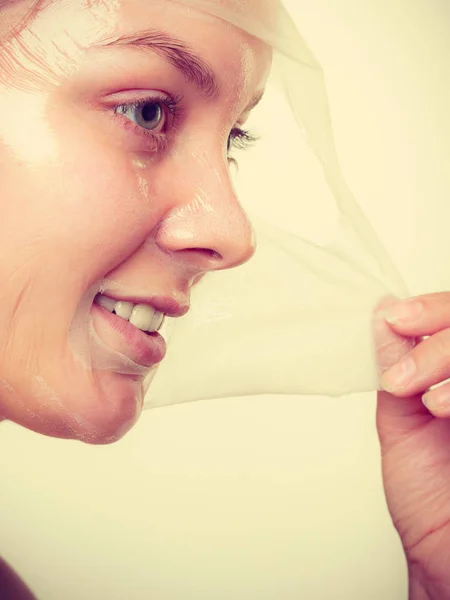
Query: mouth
132	329
142	316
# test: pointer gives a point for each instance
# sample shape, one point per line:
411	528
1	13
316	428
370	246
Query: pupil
151	112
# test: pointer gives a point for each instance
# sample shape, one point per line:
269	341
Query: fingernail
406	311
399	376
436	400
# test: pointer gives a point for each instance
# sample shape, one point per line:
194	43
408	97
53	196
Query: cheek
100	200
64	224
91	201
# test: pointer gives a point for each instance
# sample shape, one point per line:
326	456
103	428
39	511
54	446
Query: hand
415	439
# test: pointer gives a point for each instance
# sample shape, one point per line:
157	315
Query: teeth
157	321
106	302
142	316
124	310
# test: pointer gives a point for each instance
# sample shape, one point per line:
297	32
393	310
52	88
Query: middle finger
426	365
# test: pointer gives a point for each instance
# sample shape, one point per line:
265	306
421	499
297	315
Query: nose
206	226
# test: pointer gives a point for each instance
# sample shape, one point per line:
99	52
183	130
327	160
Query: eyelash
239	139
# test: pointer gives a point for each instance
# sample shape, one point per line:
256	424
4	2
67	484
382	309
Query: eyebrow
194	68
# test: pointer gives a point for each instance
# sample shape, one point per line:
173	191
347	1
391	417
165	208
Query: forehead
248	15
261	10
251	16
90	19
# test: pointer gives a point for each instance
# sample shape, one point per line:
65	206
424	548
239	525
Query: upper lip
163	304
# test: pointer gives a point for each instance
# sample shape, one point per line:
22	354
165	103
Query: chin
98	412
114	412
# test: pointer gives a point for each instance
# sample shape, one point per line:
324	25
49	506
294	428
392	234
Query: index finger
420	316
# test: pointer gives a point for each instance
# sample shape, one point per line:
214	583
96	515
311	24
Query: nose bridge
206	223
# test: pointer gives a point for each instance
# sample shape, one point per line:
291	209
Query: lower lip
144	349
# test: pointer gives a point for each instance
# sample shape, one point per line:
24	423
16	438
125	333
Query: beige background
268	498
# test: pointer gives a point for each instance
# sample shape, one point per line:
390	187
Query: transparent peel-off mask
298	318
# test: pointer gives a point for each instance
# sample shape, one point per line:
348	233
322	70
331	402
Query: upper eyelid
139	97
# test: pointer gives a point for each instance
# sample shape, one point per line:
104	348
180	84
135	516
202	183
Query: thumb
395	416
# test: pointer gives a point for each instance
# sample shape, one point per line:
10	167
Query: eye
148	114
239	139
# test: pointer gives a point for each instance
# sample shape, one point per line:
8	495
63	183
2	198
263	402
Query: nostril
206	252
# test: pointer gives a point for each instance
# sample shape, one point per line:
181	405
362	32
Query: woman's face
115	126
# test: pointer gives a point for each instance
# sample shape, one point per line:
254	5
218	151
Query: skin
414	431
86	196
